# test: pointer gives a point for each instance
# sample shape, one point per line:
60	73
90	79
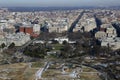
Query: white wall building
114	43
110	30
2	38
88	24
58	26
19	38
100	34
61	39
36	28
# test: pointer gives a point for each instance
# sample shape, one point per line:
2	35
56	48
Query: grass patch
37	64
57	46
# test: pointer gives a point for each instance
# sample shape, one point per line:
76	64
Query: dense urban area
78	44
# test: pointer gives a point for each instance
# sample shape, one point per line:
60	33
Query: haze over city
58	3
59	39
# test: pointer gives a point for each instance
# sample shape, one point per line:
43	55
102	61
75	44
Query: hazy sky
47	3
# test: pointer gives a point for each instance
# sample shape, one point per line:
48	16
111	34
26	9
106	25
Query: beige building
100	34
58	27
88	24
110	30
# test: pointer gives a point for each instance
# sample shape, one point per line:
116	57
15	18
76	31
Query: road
38	74
75	22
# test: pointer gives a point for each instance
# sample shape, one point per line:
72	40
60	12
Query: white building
88	24
2	41
36	28
61	39
58	26
110	30
114	43
18	38
2	38
108	37
100	34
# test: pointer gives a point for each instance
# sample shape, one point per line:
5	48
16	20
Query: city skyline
56	3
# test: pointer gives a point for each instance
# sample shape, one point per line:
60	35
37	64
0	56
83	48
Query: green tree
2	45
55	42
38	51
64	42
12	45
67	51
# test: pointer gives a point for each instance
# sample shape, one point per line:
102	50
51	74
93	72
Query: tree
67	51
78	51
2	45
75	35
12	45
37	51
55	42
64	42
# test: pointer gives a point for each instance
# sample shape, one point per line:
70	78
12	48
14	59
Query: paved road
75	22
38	74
